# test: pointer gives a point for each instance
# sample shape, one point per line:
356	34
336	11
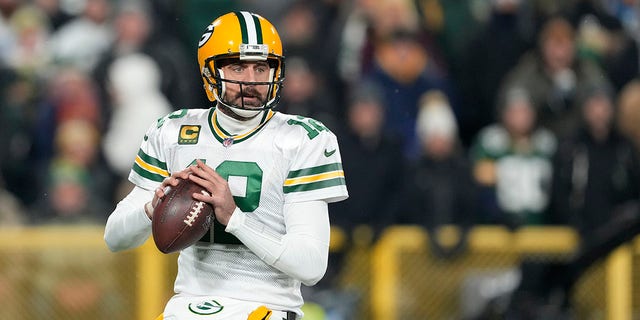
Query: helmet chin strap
245	113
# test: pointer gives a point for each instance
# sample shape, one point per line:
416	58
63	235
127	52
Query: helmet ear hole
273	63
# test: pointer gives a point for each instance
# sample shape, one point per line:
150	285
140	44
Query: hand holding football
179	220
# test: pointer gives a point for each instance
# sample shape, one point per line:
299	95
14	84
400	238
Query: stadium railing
66	272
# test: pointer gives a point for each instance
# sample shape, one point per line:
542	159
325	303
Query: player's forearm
302	252
128	225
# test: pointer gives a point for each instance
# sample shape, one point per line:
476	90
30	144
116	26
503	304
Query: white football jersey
285	159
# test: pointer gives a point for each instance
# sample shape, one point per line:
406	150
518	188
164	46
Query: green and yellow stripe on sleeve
150	167
313	178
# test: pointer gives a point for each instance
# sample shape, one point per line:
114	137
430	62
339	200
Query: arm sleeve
128	226
302	252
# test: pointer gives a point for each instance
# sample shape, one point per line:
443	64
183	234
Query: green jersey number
313	127
247	203
253	173
173	115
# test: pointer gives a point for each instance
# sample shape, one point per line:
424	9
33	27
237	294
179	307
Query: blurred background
490	149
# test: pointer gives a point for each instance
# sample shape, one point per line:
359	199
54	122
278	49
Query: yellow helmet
245	36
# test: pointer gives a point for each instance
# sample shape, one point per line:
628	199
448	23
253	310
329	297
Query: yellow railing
140	280
387	262
151	282
71	243
147	277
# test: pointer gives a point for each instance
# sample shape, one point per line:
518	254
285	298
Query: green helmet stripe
243	27
249	27
256	22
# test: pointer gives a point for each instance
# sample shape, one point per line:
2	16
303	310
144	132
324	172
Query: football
179	220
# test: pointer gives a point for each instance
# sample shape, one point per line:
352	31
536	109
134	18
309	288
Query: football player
269	175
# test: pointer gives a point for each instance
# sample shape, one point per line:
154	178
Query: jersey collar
226	138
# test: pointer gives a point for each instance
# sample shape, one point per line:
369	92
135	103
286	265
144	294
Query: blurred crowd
458	112
461	112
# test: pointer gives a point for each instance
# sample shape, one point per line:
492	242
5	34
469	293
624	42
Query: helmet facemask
217	83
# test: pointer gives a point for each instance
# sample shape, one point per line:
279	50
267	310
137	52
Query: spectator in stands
67	199
512	164
82	40
135	32
625	11
70	94
300	32
134	82
372	161
353	39
453	24
56	14
311	29
7	35
495	48
306	94
439	187
404	70
628	116
607	40
554	75
77	186
23	68
29	54
596	169
17	118
370	24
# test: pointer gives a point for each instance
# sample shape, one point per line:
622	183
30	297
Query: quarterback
270	177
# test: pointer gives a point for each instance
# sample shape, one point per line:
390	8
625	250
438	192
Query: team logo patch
189	134
206	308
206	35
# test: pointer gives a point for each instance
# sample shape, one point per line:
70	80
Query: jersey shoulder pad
179	127
316	170
182	115
185	121
306	128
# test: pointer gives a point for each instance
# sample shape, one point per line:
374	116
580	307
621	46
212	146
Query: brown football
179	220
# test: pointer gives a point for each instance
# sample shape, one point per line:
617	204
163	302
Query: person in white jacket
134	83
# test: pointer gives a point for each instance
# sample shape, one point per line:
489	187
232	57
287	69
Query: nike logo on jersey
328	153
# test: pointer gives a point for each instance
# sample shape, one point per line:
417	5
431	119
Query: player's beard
250	98
246	104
